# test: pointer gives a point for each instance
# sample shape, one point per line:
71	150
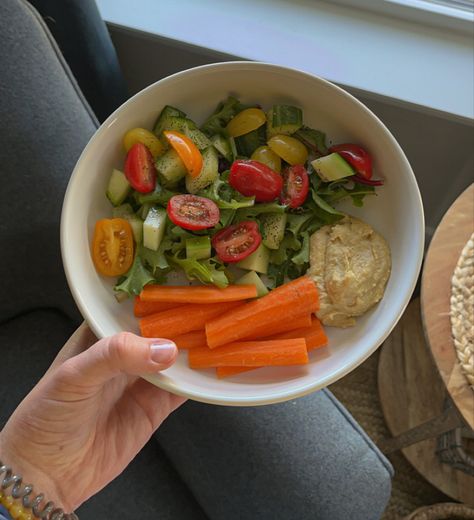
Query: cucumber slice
143	211
247	144
209	171
225	146
332	167
170	168
273	229
154	228
118	188
187	127
198	248
283	119
136	223
125	211
257	261
252	278
164	116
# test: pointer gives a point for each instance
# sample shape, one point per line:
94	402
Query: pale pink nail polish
163	352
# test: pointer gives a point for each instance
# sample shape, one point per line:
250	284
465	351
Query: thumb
124	353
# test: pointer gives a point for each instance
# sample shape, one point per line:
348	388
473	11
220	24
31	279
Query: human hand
88	417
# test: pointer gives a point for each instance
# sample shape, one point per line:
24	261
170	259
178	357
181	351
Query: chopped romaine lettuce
135	279
223	113
206	271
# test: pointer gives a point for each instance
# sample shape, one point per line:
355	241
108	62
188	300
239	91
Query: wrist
42	484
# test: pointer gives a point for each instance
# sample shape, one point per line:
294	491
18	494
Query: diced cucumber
252	278
136	223
257	261
118	188
143	211
187	127
167	112
154	228
273	229
247	144
225	146
332	167
125	211
209	171
283	119
198	248
122	211
170	168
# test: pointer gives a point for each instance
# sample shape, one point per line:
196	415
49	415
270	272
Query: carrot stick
314	336
251	354
173	322
284	303
196	338
297	322
141	308
197	294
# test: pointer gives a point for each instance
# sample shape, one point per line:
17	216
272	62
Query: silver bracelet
25	492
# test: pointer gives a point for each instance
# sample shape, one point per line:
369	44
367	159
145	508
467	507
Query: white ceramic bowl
396	212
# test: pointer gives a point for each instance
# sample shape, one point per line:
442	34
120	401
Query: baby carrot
287	301
197	294
251	354
173	322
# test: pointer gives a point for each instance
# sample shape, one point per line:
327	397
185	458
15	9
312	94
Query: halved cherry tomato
142	135
193	212
266	156
188	152
246	121
255	179
112	246
356	156
139	168
236	242
295	186
289	148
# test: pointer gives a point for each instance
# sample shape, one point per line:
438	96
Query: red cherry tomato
193	212
255	179
236	242
295	186
356	156
139	168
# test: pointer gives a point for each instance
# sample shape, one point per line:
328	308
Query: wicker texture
445	511
462	310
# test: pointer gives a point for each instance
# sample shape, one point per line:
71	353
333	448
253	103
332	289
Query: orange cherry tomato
112	246
188	152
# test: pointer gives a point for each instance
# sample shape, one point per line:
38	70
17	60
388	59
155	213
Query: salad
233	201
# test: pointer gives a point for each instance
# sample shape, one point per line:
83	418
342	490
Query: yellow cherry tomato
246	121
289	149
141	135
265	155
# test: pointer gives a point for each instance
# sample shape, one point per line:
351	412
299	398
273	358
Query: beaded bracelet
20	503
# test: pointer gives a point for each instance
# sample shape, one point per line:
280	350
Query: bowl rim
261	398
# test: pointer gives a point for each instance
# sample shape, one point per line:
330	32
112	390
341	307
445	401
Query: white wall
440	150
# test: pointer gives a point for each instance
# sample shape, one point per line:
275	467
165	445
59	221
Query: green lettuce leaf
225	197
206	271
221	116
135	279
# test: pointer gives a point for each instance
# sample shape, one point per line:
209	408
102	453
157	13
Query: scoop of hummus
350	263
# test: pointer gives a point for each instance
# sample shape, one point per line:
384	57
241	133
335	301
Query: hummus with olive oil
350	263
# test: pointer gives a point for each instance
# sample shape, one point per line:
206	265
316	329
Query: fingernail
163	352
